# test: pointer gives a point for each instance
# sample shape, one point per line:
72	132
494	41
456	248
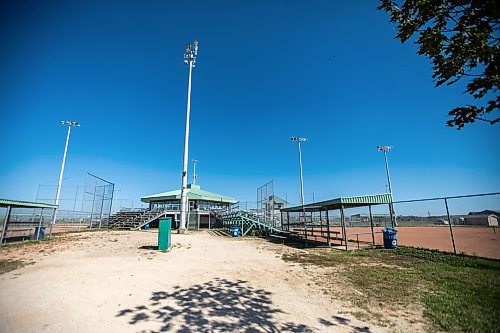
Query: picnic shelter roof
346	202
25	204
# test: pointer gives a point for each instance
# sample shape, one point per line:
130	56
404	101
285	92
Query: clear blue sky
266	71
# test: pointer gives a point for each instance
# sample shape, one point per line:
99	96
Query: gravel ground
115	281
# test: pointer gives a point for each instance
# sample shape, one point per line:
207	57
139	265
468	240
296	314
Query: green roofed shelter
341	204
346	202
9	204
24	204
201	204
194	193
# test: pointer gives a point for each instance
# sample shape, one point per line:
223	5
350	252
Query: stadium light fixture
194	170
58	192
299	140
190	60
386	149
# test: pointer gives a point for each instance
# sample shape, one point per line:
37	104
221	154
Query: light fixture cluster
384	148
70	123
191	53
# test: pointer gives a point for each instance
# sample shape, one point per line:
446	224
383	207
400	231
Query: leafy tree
460	37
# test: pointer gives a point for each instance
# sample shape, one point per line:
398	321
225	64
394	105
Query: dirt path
116	282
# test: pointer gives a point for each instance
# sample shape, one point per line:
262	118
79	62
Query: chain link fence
461	224
79	206
465	224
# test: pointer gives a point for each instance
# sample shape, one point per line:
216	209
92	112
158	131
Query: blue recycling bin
390	238
235	231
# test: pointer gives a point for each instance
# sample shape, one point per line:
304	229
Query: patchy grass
458	293
28	243
10	265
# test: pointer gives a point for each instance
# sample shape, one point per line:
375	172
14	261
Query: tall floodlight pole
190	60
194	170
299	140
58	192
385	149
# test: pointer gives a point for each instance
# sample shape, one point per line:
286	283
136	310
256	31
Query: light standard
69	124
190	60
299	140
385	149
194	170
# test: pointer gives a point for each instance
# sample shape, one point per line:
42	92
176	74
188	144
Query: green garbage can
164	233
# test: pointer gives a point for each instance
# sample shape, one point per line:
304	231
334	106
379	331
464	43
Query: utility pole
190	60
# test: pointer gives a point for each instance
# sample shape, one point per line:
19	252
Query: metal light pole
69	124
385	149
190	60
194	170
299	140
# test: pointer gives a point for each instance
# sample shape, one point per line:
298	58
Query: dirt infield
476	241
117	282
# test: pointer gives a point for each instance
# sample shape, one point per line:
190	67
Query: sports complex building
201	205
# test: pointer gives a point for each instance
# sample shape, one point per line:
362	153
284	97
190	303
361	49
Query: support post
39	225
83	201
371	224
450	225
344	229
102	205
5	224
328	228
93	203
52	224
305	227
320	224
111	203
390	215
74	205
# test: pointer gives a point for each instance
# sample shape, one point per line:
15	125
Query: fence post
344	229
371	224
39	225
93	203
450	225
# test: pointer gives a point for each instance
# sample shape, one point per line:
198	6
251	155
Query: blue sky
266	71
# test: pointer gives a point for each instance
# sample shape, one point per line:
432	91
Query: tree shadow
149	247
344	322
219	305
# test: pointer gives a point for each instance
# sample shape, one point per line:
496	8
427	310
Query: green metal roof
24	204
347	202
194	193
277	199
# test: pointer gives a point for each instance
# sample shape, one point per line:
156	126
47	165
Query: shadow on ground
149	247
218	306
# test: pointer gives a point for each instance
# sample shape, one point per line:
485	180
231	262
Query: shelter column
344	229
371	223
327	227
5	224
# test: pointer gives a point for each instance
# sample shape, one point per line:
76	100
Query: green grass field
458	293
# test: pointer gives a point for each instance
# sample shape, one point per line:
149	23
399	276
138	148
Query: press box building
201	205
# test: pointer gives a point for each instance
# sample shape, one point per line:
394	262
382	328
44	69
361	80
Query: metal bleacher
134	219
